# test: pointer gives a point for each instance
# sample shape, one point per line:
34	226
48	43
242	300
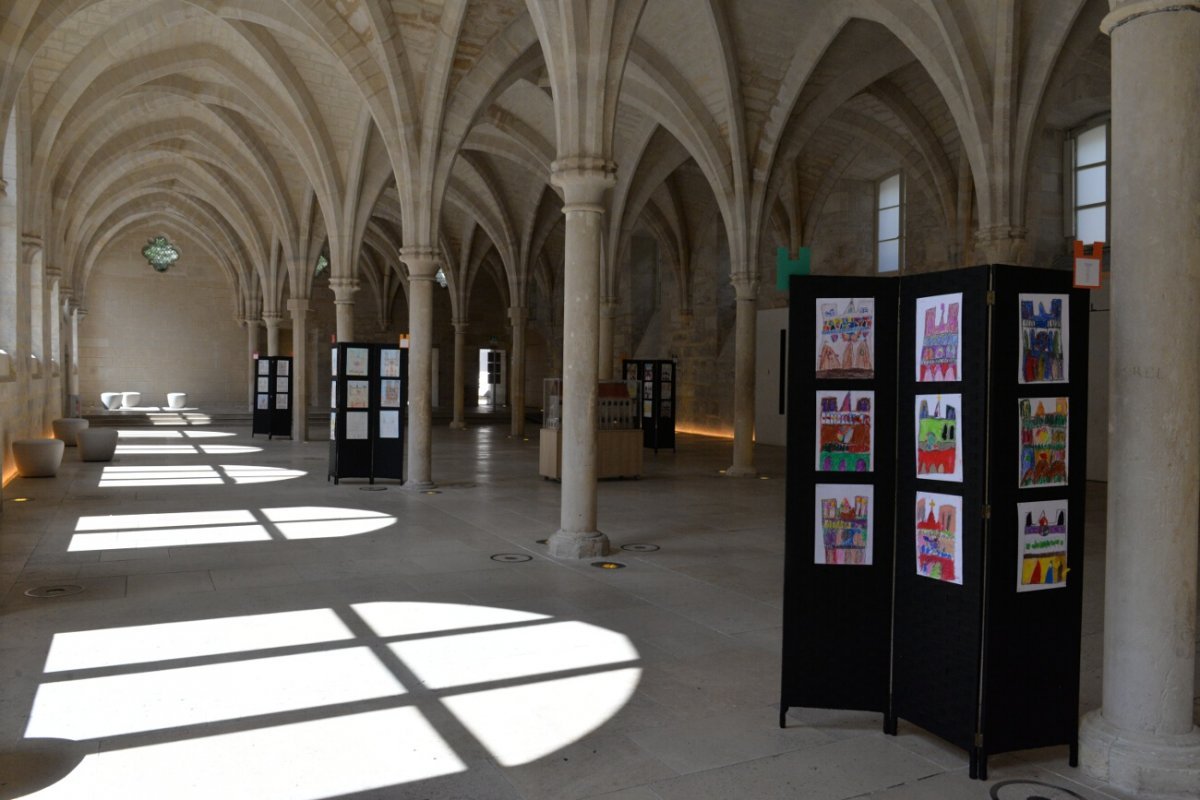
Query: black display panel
368	399
837	614
657	380
272	412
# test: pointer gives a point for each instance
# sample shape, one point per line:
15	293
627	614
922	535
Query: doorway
493	377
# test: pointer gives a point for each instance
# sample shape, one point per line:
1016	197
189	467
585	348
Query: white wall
155	333
770	426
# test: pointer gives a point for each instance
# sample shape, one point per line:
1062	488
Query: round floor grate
372	488
607	565
640	548
511	558
1018	789
61	590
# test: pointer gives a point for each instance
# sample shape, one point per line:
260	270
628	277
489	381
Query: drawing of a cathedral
846	341
845	435
844	530
1041	342
937	541
1044	558
1043	443
939	344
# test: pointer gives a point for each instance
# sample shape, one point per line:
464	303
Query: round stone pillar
343	300
608	315
422	269
298	306
583	182
459	422
1143	739
271	320
519	319
744	356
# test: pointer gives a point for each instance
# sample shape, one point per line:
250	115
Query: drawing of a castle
1042	342
847	340
1043	443
845	434
844	530
937	440
937	541
939	344
1044	551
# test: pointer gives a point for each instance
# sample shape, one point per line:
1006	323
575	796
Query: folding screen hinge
991	298
979	740
987	512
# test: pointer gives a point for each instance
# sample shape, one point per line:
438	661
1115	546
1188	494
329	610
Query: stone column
583	182
298	306
1002	244
74	402
251	351
422	269
519	318
745	343
1143	739
460	375
608	316
343	299
271	320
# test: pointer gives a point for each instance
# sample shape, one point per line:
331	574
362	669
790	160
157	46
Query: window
1087	185
889	225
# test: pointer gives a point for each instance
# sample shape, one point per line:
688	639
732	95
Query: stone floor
249	630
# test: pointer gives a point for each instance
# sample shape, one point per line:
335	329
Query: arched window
37	307
55	355
889	224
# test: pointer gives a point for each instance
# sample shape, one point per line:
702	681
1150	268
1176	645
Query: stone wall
155	333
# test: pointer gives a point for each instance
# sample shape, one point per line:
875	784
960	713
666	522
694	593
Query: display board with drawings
367	401
272	410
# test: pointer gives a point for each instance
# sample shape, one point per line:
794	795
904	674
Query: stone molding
584	180
1142	8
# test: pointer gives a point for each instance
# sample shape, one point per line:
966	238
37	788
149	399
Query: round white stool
110	400
176	399
130	399
38	458
66	429
97	444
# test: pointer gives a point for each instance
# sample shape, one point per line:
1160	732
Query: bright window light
241	473
446	661
548	715
323	758
122	532
149	434
202	434
193	475
114	705
224	449
154	449
409	619
141	644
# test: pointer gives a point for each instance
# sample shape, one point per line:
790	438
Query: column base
741	472
1148	766
457	425
419	486
577	544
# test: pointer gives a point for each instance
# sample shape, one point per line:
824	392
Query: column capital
270	318
460	325
53	273
31	245
298	305
343	289
1123	11
608	307
422	262
745	286
1001	244
584	180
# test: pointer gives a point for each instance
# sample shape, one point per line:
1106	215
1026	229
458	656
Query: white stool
176	399
66	429
38	458
110	400
97	444
130	399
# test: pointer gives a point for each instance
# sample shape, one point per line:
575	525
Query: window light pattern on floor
193	475
210	708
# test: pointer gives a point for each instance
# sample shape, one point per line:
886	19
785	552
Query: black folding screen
841	494
656	391
272	413
977	616
368	396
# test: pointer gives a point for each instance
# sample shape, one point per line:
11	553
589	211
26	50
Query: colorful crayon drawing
1044	422
843	524
1042	557
845	337
939	554
939	456
939	343
845	439
1045	330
